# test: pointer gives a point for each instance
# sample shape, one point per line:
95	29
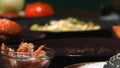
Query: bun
9	29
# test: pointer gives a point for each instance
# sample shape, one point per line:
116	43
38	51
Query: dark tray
26	35
31	36
27	22
105	31
88	46
76	50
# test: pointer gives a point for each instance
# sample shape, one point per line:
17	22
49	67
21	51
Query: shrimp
31	47
22	49
37	52
5	49
11	52
25	47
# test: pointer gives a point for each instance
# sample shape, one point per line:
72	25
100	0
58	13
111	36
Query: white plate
87	65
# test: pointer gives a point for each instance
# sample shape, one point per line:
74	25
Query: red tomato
9	27
38	9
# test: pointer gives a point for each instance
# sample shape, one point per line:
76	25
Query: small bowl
26	59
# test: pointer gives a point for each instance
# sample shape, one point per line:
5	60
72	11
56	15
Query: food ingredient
9	28
25	56
11	8
68	24
38	9
11	5
116	31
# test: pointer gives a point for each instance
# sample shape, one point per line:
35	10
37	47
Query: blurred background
90	8
60	5
83	7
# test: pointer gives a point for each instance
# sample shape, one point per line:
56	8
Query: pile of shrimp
24	50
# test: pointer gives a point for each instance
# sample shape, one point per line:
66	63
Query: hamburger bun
9	29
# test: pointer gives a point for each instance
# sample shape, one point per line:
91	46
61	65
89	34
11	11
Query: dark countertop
102	48
62	61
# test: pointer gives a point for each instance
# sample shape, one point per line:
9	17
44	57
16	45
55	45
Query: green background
59	5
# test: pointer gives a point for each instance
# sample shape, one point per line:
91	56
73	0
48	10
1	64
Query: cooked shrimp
11	52
31	47
37	52
5	48
22	47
